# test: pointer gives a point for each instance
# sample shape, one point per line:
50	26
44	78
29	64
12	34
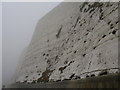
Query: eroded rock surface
75	40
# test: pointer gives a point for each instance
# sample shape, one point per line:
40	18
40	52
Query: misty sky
0	45
18	24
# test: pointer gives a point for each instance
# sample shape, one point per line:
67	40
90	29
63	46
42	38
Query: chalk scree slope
75	40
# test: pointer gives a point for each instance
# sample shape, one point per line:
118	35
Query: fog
18	24
0	45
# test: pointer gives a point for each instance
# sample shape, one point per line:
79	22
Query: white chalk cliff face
75	40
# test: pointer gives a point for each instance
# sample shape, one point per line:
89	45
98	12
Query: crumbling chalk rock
75	40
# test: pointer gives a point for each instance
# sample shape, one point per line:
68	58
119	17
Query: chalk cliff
75	40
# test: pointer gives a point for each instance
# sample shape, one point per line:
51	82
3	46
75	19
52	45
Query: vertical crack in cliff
59	31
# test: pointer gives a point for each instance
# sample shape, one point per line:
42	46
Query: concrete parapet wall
107	81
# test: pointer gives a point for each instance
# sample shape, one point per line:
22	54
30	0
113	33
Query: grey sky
19	21
0	44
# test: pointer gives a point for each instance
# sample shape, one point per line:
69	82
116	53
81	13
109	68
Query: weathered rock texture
75	40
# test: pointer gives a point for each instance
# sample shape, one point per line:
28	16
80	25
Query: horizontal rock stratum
75	40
